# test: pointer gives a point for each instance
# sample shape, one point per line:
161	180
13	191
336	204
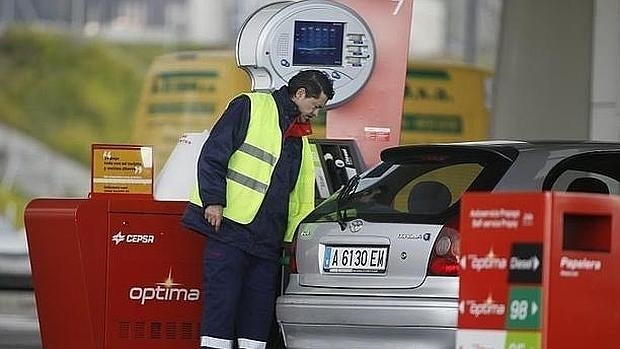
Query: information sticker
122	169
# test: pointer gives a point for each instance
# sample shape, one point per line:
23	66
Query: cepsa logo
486	308
167	291
133	238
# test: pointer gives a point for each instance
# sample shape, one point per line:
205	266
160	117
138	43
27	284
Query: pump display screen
318	43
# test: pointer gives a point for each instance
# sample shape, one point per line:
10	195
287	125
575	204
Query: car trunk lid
365	254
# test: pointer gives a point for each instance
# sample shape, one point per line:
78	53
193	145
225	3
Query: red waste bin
114	272
539	270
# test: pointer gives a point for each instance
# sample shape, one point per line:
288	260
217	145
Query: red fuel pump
539	270
116	270
114	273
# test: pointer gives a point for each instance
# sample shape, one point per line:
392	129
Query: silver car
376	265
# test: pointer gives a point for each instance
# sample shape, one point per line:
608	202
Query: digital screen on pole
318	43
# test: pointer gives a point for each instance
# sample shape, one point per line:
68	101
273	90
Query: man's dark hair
314	81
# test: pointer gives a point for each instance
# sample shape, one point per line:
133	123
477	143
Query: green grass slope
70	92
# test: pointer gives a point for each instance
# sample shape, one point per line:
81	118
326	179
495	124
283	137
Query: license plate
354	259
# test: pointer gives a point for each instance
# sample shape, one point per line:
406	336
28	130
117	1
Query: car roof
506	147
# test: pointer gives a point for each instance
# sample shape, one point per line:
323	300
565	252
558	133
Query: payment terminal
282	38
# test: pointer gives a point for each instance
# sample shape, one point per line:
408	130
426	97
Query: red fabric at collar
298	129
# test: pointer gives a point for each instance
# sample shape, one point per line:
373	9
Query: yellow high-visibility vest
251	167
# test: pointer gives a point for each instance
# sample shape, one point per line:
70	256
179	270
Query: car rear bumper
311	321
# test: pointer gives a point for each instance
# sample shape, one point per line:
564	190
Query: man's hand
213	215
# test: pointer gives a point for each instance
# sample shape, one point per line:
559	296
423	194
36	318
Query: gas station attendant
255	183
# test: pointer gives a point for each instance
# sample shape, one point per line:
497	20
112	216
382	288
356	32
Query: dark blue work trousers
239	294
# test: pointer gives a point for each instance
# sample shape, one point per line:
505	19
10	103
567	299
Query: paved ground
19	328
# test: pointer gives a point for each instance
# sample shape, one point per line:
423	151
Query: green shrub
12	206
70	92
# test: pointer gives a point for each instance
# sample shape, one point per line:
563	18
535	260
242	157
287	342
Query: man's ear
300	93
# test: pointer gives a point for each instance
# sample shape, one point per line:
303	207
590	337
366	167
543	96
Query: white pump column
543	78
605	121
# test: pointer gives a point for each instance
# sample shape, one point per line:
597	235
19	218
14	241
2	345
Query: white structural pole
543	79
208	22
605	122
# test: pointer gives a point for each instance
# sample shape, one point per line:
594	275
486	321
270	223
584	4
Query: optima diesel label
486	308
484	263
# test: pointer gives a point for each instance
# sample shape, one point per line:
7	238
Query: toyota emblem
356	225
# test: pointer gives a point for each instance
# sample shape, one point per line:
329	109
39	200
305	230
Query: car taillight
446	251
290	260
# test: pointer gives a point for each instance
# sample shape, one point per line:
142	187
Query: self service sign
537	271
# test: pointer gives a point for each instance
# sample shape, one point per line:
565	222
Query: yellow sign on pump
122	169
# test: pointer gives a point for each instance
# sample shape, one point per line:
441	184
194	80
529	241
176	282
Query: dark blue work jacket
263	236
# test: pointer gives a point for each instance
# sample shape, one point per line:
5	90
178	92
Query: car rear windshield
419	184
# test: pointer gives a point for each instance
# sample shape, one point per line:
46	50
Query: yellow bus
445	102
187	92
